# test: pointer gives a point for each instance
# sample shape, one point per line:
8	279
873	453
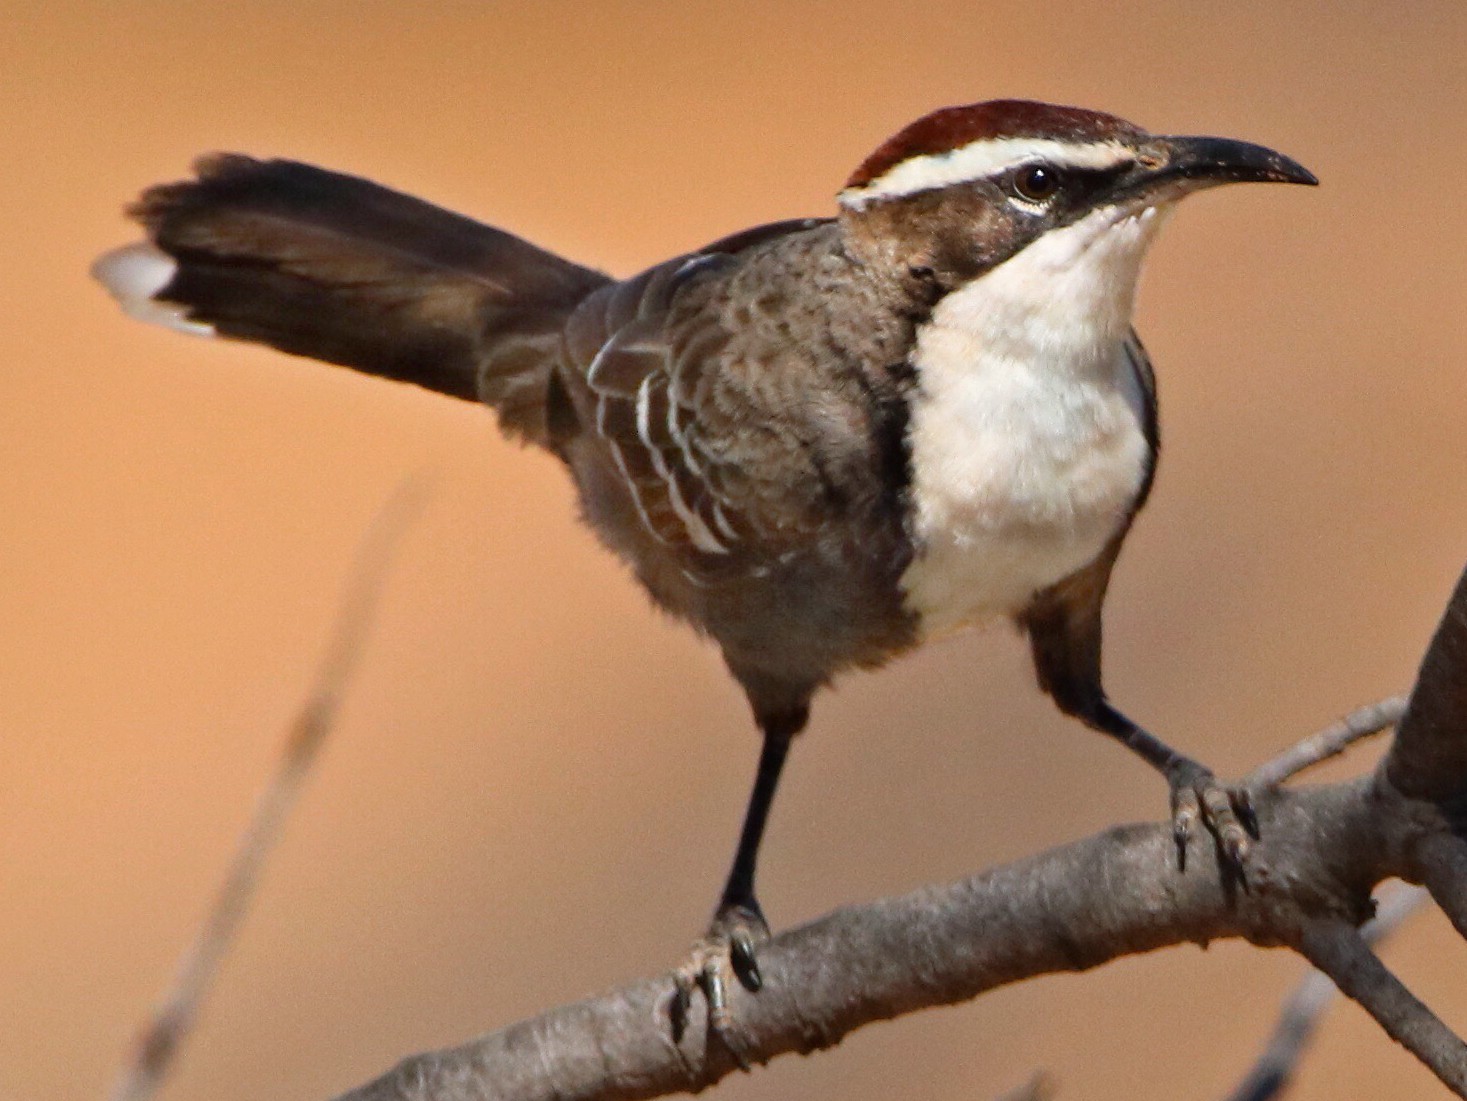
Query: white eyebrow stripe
981	159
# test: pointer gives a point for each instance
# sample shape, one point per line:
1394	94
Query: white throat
1027	433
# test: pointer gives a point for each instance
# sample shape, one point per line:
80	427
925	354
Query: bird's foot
727	949
1226	811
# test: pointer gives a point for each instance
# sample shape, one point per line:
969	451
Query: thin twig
162	1037
1305	1007
1338	950
1039	1088
1330	742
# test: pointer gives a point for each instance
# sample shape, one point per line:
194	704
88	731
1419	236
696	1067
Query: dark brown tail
340	269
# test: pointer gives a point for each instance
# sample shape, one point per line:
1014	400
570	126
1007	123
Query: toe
729	948
742	929
1217	805
1186	810
711	980
1227	812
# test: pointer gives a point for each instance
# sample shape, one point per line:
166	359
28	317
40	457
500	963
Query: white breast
1027	435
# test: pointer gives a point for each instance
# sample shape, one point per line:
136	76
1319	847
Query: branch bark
1428	759
1443	858
1069	909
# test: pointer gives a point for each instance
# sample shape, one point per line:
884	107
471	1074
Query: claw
745	963
677	1008
1247	813
720	1019
1186	810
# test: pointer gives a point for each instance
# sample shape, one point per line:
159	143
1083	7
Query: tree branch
1068	909
1322	851
1443	858
1301	1013
1428	758
1339	951
1071	908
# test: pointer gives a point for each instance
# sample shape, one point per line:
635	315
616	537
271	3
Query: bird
820	442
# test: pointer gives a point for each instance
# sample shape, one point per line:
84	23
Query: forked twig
162	1037
1330	742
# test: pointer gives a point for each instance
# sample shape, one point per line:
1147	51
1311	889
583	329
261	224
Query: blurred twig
1329	742
162	1037
1305	1007
1039	1088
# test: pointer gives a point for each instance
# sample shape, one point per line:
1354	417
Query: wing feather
682	412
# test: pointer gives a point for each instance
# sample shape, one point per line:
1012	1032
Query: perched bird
820	442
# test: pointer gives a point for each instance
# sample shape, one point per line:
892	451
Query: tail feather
340	269
134	274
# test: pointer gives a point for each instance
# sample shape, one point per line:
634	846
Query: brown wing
635	402
694	412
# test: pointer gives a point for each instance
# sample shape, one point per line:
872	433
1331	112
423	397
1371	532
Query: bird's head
965	189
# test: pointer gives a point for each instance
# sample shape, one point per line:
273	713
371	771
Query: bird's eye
1036	183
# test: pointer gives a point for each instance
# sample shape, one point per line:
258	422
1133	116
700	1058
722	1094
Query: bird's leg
738	924
1196	793
1064	630
738	916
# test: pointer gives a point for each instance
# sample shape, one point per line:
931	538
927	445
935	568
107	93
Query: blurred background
536	781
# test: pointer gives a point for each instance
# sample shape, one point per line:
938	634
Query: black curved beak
1206	161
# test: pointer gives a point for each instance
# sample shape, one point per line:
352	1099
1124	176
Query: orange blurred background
536	782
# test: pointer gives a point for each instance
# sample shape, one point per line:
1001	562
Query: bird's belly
973	571
1016	485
